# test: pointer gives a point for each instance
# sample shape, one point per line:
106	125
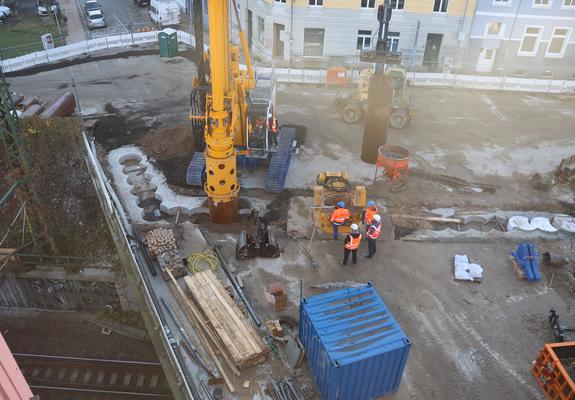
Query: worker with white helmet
373	231
351	244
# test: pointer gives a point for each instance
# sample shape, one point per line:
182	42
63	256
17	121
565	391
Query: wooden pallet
517	268
229	326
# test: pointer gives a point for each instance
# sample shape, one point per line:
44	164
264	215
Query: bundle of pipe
377	116
27	102
32	111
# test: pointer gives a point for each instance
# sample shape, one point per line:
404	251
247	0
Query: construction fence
289	75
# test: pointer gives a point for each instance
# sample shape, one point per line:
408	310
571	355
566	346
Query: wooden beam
201	335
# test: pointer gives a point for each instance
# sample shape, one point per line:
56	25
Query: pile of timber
162	247
219	324
228	325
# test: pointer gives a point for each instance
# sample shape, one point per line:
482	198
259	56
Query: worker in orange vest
339	216
351	244
370	210
373	231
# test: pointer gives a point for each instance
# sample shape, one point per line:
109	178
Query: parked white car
43	11
96	19
165	12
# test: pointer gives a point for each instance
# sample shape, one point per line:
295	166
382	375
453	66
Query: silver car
96	19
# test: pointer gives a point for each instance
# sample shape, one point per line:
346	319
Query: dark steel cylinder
224	212
32	111
62	107
377	116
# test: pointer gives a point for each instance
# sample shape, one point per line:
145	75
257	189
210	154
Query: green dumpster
168	40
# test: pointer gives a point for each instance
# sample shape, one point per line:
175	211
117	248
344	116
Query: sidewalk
75	28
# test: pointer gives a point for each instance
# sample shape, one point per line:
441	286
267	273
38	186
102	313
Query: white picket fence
306	76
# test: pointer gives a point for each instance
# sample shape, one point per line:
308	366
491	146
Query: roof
95	12
353	324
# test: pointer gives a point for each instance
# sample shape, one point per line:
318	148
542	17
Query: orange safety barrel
337	76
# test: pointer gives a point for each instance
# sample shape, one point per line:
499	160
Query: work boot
368	255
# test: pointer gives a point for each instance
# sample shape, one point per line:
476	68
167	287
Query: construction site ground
470	340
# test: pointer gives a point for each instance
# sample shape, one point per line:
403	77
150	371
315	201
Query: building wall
13	386
514	19
342	19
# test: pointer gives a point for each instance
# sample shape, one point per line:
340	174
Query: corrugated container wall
355	348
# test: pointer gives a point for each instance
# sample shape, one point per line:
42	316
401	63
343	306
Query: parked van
165	12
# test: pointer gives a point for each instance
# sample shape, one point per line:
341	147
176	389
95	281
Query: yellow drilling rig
233	114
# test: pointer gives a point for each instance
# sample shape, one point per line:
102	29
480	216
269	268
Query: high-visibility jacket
369	213
339	216
353	243
373	230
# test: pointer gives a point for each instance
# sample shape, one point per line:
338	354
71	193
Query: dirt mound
172	149
66	199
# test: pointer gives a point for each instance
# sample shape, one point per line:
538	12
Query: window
494	28
261	30
316	3
530	41
398	4
440	6
367	3
558	42
363	40
501	3
568	4
541	3
280	1
393	41
313	42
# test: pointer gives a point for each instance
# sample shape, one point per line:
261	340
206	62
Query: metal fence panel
293	75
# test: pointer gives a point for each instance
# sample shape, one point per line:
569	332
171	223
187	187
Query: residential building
431	34
531	38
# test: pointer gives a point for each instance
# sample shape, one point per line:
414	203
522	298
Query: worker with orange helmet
370	210
351	244
373	231
339	216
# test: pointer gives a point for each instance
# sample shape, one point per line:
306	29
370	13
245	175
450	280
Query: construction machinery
233	114
331	188
352	105
260	242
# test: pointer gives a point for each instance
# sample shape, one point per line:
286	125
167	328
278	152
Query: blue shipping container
355	348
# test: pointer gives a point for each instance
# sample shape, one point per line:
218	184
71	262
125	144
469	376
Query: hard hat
377	217
354	227
341	204
370	203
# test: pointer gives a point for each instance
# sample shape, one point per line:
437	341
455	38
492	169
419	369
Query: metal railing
291	75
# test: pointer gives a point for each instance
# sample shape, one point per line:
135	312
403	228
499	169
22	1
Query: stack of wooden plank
225	321
162	246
